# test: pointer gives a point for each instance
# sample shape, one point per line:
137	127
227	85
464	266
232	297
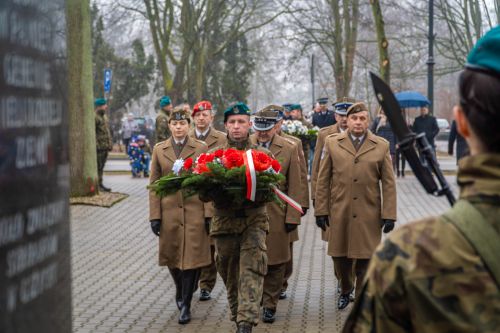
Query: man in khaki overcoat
339	127
355	196
203	117
282	220
303	199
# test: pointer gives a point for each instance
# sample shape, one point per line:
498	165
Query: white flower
178	165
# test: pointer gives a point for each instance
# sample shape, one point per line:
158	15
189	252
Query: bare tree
82	143
382	42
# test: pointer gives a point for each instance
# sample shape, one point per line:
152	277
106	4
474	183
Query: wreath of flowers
297	129
220	177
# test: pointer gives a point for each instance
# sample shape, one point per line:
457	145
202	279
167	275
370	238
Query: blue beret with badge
164	101
100	102
485	56
239	108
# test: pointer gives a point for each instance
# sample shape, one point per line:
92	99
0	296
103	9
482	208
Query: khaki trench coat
357	190
277	241
214	139
320	143
183	241
304	198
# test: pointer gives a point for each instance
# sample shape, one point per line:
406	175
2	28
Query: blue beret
485	56
236	109
100	102
164	101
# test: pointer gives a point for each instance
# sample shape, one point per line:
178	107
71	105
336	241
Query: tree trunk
82	143
382	42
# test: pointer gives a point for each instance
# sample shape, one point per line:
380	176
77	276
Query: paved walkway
118	286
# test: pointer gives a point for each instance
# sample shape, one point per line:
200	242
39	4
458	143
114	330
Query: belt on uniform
240	212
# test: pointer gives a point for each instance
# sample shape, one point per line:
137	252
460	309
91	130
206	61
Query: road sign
108	74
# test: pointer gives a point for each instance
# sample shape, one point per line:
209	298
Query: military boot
104	188
244	327
268	315
189	285
177	276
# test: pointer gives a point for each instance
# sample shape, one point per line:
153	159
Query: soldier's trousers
273	283
208	275
349	269
288	269
102	156
242	263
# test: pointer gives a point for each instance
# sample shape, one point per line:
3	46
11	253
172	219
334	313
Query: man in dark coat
426	123
324	117
462	146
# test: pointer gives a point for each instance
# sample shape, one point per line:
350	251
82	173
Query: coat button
355	198
356	160
180	206
354	216
355	180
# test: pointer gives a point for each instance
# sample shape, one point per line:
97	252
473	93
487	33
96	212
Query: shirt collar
179	142
198	133
356	137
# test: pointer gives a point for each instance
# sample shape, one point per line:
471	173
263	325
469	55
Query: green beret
485	56
236	109
100	102
164	101
295	107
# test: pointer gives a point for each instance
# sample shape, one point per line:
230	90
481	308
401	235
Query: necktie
357	143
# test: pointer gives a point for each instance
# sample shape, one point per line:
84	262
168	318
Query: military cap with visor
356	108
322	100
239	108
266	118
342	105
485	56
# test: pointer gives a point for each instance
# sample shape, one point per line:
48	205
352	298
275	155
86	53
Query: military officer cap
201	106
485	56
239	108
295	107
357	107
100	102
164	101
266	118
342	105
323	100
180	114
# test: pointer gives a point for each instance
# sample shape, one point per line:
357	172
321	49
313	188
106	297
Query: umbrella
412	99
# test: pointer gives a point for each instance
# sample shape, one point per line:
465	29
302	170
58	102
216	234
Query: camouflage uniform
162	132
426	277
241	259
103	141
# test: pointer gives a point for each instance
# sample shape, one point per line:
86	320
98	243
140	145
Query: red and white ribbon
294	204
251	175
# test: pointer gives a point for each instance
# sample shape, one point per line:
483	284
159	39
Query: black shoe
343	301
104	188
268	315
178	302
352	296
185	315
244	327
205	295
282	294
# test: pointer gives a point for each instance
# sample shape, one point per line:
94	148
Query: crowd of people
427	276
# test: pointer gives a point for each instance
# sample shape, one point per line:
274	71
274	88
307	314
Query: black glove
322	221
208	220
387	225
304	210
155	227
289	227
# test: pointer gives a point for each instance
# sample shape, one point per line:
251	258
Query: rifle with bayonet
409	143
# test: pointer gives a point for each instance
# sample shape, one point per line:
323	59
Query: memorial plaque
35	276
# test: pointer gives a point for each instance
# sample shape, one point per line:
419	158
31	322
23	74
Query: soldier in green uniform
102	137
240	236
162	132
442	274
